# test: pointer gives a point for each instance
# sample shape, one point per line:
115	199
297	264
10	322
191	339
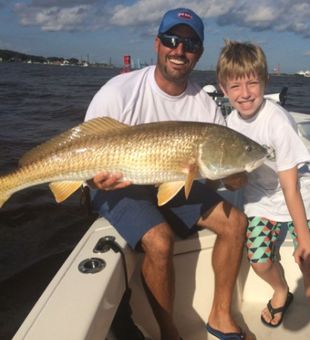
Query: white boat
304	73
223	102
303	125
81	300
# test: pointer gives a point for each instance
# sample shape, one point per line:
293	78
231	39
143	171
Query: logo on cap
185	15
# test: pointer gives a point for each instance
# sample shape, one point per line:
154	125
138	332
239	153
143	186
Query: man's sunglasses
191	45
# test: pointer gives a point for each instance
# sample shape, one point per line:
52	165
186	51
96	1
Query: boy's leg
262	239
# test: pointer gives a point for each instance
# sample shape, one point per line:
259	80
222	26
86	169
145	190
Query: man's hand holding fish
108	181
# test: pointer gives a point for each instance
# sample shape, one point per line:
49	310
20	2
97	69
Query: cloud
55	15
76	15
62	3
278	15
51	19
307	54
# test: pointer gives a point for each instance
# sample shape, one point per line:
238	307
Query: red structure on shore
127	64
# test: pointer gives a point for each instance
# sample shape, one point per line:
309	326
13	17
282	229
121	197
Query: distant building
127	64
276	70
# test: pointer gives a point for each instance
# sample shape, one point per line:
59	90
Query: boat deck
296	324
81	306
194	292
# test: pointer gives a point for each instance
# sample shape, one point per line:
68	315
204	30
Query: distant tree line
13	56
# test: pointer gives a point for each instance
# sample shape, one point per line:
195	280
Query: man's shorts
134	210
264	238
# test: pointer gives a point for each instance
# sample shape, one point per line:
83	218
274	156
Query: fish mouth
254	165
271	154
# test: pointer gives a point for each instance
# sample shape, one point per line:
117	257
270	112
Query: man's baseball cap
182	16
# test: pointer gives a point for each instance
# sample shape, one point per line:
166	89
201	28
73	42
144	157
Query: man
160	93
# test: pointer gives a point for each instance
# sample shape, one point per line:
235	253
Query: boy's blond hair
239	59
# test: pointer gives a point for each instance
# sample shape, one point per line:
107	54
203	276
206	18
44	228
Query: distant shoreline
113	67
8	56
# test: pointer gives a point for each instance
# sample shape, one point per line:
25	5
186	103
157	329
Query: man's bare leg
230	226
158	277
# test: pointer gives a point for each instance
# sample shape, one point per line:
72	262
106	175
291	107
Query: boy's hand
302	254
303	261
107	181
236	181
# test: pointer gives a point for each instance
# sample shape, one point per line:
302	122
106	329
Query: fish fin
62	190
192	174
91	127
167	191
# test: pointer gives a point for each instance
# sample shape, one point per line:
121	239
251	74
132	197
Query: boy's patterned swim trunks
263	238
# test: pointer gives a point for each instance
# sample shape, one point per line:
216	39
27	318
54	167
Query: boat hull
81	306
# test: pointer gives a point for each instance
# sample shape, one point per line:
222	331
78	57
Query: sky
106	30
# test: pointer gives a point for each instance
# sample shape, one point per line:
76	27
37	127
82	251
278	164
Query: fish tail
4	196
5	192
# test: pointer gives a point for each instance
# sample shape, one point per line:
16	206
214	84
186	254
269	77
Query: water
36	234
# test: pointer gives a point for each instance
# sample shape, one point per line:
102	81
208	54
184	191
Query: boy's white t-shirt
135	98
274	127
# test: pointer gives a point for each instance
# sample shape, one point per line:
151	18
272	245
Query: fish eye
248	148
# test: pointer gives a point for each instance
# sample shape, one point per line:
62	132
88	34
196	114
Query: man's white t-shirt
274	127
135	98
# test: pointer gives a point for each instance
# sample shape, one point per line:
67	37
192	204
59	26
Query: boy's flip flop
274	311
226	336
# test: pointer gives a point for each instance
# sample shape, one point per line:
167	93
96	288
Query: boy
277	193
